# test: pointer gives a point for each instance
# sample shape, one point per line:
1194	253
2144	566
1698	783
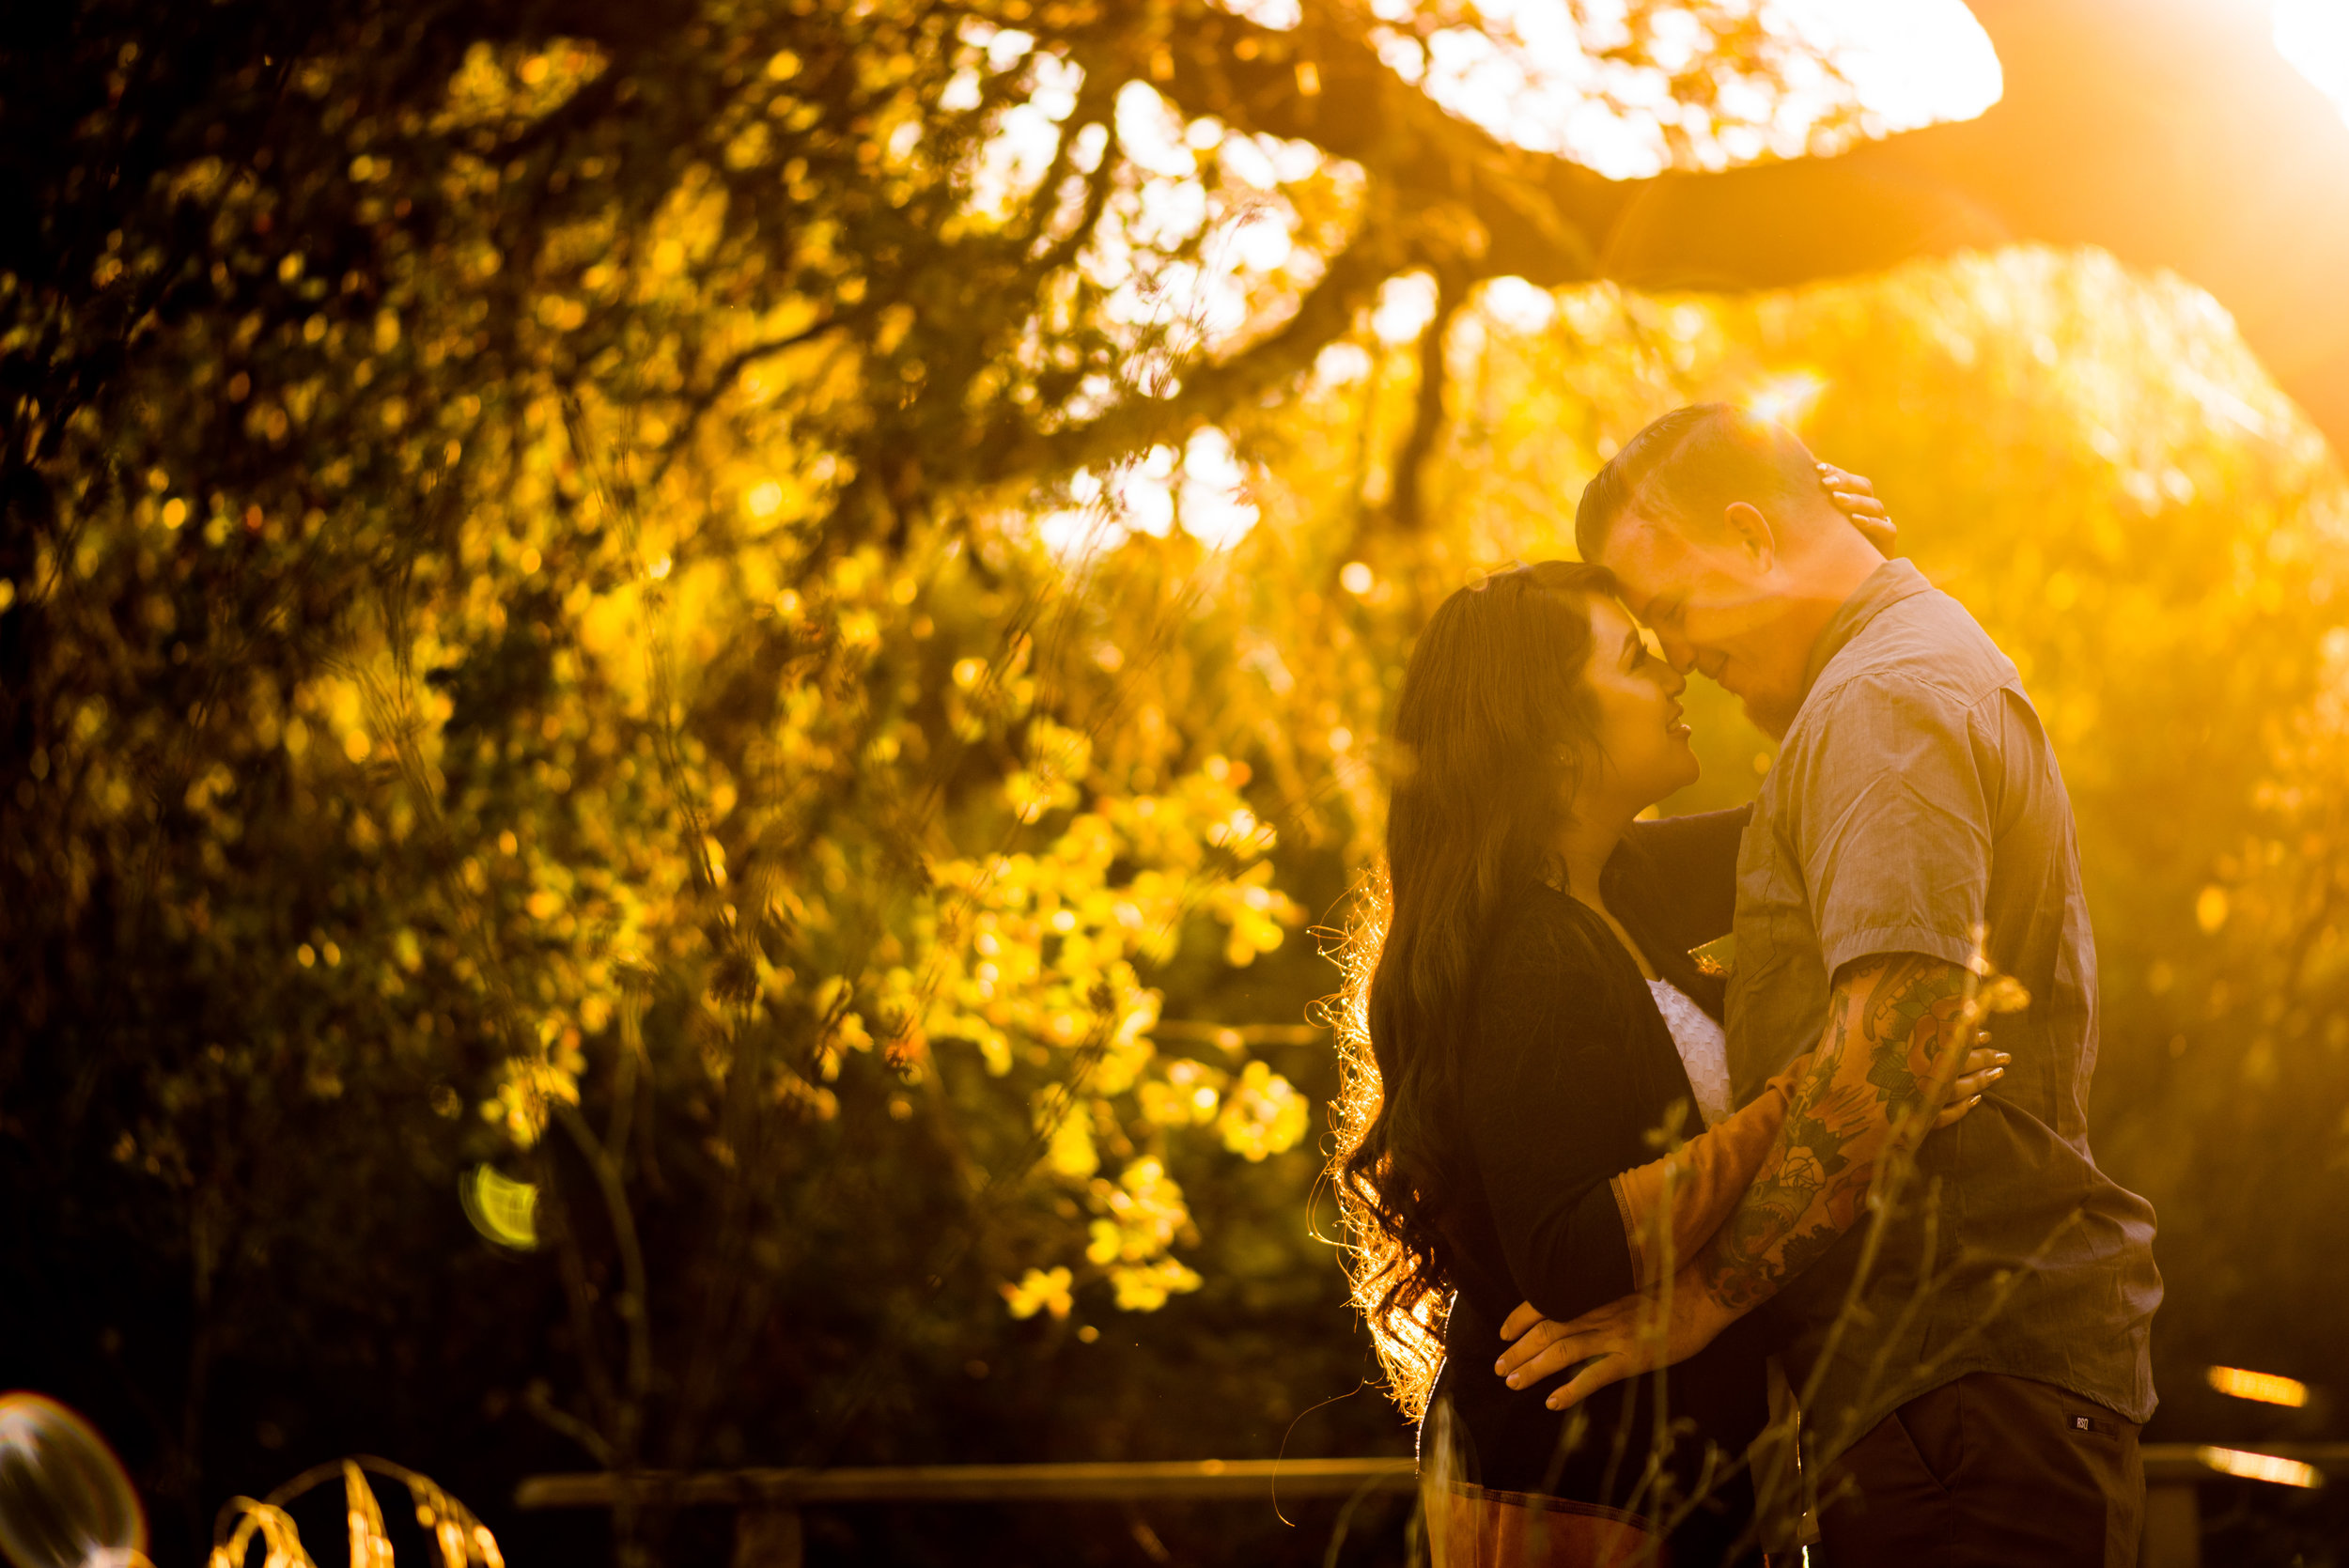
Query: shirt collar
1885	587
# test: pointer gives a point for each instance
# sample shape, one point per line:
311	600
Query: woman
1533	1015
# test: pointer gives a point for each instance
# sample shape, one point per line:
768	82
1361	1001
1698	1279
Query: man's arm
1896	1024
1674	1205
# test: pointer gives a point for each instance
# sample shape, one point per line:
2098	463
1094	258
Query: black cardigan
1566	1068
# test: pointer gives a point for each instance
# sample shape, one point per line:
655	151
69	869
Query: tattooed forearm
1915	1004
1891	1022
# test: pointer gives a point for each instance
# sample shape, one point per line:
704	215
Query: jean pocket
1938	1474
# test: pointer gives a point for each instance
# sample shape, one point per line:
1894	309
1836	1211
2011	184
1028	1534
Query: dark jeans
1988	1469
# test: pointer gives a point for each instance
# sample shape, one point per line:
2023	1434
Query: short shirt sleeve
1892	823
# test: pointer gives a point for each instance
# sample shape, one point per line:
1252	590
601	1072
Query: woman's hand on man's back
1641	1332
1623	1339
1984	1067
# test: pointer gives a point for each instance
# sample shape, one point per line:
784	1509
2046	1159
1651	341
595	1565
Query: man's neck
1824	581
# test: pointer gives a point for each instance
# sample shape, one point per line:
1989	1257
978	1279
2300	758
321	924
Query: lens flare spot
2261	1466
65	1497
2265	1387
503	1210
1785	400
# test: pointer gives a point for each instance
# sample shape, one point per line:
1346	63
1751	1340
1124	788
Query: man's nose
1675	680
1678	653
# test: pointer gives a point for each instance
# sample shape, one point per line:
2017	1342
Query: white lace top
1704	1048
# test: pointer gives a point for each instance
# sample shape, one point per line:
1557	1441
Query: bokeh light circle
65	1502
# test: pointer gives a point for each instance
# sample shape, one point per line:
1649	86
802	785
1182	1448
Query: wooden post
768	1535
2173	1534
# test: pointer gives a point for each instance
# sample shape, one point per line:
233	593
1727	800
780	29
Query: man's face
1717	605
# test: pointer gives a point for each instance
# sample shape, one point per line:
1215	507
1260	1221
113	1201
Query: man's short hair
1688	466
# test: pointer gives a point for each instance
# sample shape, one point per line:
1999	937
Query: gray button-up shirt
1916	800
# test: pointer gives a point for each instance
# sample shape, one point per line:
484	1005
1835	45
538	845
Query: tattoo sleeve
1893	1023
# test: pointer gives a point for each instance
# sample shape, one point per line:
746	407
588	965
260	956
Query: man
1982	1403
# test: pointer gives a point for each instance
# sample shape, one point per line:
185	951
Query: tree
627	597
2172	134
508	663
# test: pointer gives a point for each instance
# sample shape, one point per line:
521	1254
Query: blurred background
686	689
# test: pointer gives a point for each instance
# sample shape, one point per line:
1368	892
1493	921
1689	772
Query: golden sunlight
1911	62
2313	35
1530	75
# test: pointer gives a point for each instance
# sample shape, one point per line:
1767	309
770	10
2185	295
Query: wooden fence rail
766	1503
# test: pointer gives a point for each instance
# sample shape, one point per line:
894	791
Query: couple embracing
1644	1185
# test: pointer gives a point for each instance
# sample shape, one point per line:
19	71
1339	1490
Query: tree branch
2172	135
1410	458
698	406
1326	312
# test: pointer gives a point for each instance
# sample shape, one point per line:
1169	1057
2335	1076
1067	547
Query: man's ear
1752	530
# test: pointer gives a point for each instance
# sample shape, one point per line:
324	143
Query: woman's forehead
1609	621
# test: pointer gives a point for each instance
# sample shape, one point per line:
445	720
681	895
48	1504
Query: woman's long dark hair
1491	727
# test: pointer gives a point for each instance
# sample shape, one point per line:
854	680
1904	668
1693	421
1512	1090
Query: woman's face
1643	746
